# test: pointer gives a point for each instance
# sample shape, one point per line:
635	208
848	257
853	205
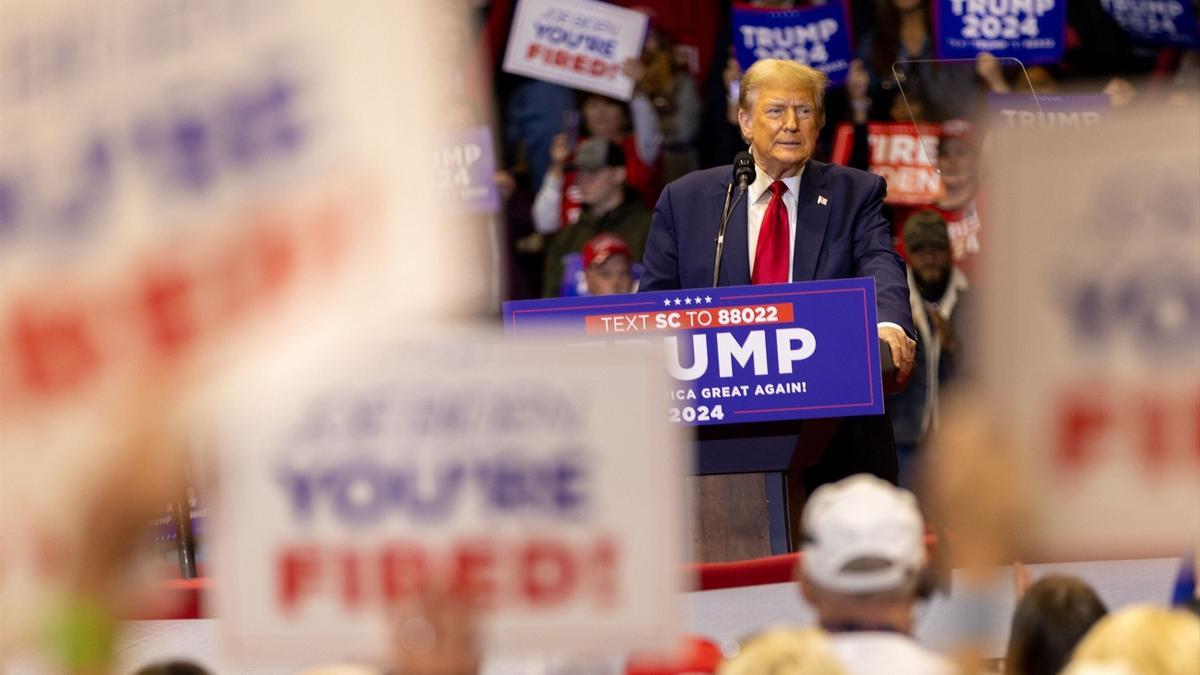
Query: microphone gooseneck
743	175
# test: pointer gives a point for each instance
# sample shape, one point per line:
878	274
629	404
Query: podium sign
740	353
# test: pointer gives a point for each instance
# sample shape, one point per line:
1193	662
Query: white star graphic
687	301
697	299
676	302
667	302
708	299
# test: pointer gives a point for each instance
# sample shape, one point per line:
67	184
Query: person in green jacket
609	205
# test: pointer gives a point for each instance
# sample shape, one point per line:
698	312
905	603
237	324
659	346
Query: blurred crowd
682	116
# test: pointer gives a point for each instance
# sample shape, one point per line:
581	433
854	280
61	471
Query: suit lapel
735	261
811	220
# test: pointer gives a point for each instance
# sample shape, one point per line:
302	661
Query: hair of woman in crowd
1142	640
1049	620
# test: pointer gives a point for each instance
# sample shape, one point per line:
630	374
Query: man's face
956	162
598	186
602	118
911	110
613	276
782	128
930	265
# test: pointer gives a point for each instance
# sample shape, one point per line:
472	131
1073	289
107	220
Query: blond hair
787	652
784	75
1141	639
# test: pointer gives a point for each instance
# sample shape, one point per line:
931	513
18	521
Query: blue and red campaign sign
740	353
1057	111
1165	23
464	171
1033	31
576	43
815	36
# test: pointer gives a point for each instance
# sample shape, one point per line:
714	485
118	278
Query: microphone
743	174
743	170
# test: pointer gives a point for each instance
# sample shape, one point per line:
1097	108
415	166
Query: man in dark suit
801	220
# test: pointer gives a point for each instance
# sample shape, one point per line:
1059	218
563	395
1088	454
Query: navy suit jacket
845	237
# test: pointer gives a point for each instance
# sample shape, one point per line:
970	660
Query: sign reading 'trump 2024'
1033	31
740	353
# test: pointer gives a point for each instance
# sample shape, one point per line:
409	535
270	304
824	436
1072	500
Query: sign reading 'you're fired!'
742	353
361	475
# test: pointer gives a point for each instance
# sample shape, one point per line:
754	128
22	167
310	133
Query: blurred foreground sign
173	174
537	481
1093	328
180	184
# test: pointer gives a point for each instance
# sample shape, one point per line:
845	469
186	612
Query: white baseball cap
862	535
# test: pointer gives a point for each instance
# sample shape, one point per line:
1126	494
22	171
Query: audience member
909	107
958	166
1050	619
691	25
675	98
609	205
1096	45
785	651
903	32
607	265
1140	640
864	568
634	128
936	292
526	246
988	68
533	115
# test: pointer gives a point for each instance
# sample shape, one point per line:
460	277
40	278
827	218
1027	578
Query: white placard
1092	327
538	479
576	43
180	184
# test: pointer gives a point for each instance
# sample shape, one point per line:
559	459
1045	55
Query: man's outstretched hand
904	350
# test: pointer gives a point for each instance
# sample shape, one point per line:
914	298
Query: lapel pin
822	201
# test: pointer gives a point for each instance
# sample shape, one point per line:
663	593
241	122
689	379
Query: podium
763	373
778	452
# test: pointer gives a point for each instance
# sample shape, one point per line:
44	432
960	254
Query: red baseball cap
959	129
602	247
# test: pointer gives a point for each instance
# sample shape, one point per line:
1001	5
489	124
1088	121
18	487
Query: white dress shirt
758	196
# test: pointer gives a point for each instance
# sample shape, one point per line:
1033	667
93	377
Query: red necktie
772	256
